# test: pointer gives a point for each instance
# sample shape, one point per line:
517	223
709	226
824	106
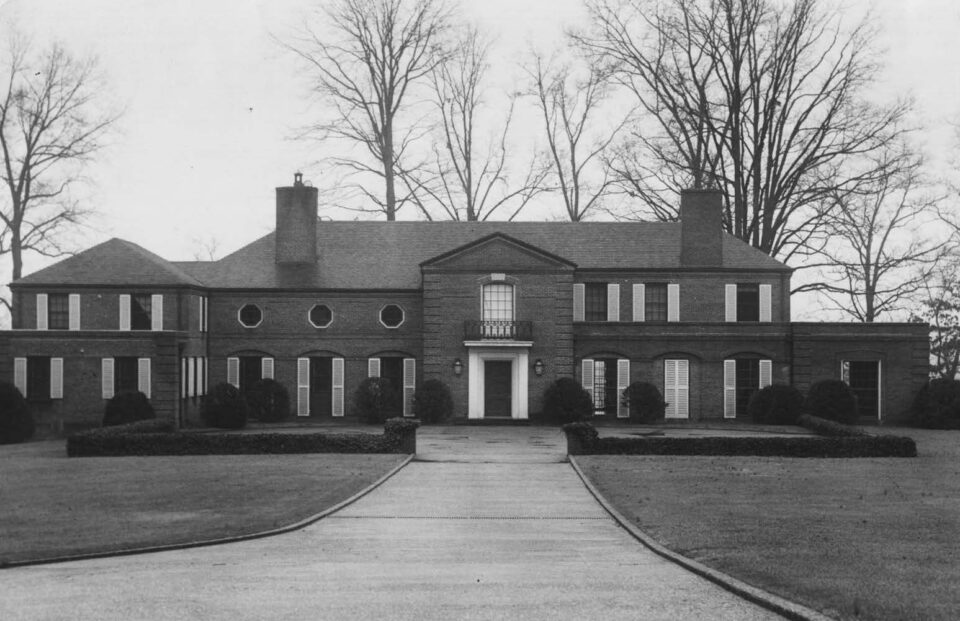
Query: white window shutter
683	388
579	293
20	375
303	387
409	384
106	378
765	311
202	376
124	311
200	313
373	367
623	381
233	372
74	309
156	312
192	377
731	303
586	376
845	371
56	378
766	373
670	388
143	376
337	406
673	302
730	388
639	302
266	368
613	302
41	311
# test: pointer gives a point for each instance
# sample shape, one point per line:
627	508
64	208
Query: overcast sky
211	100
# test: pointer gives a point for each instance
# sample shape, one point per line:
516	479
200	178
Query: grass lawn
51	505
855	538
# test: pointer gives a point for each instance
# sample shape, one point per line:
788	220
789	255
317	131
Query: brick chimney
296	234
701	228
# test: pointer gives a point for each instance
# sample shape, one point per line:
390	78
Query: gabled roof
114	262
502	240
387	255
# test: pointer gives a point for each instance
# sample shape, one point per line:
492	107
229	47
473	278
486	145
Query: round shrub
127	407
224	407
937	405
432	402
269	401
566	401
375	400
646	402
833	400
776	404
16	421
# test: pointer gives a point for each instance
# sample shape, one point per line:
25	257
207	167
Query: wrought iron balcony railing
474	330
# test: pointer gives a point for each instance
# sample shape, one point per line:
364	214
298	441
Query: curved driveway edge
212	542
775	603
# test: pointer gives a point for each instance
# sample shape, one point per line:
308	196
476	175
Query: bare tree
879	257
365	63
760	99
570	103
470	175
51	124
940	307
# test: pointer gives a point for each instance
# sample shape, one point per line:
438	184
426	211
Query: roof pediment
497	252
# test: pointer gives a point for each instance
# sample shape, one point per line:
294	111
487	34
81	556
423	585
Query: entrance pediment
497	252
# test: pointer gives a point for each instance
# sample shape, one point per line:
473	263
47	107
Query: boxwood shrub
16	420
937	405
374	400
432	403
269	401
224	407
776	404
127	407
646	402
833	400
566	401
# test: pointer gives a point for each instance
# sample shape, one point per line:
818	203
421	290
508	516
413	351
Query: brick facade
437	273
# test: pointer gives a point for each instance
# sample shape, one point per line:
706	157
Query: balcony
474	330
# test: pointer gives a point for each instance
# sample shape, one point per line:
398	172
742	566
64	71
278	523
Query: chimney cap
298	178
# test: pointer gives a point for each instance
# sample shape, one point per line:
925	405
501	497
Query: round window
391	316
321	316
250	315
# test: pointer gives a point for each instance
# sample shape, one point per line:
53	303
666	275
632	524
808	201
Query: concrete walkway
487	533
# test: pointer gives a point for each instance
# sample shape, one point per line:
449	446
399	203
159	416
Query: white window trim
243	306
403	319
310	320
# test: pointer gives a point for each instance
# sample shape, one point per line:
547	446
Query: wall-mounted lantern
538	367
457	367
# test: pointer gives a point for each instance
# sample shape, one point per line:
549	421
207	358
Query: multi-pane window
748	302
126	377
748	382
58	311
140	308
595	301
498	302
605	393
38	378
863	376
655	302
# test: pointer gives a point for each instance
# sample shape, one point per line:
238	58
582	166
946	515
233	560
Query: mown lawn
51	505
854	538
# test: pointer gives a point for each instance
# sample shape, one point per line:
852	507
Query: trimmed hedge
833	400
646	402
16	421
127	407
432	402
566	401
579	442
829	427
937	405
776	404
269	401
139	439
